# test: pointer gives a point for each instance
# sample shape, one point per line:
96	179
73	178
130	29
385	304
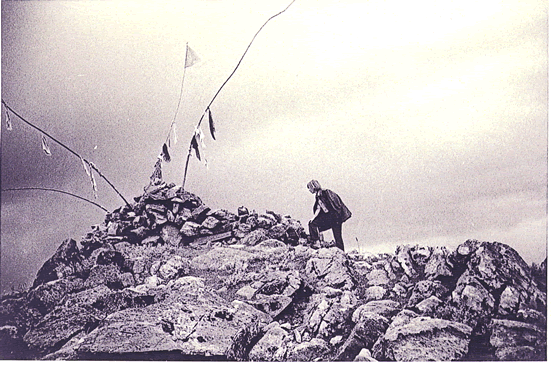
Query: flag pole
224	84
181	94
67	148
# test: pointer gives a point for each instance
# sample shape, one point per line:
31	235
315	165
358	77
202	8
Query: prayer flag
195	146
211	125
8	122
91	166
174	134
165	154
201	135
157	172
94	186
45	146
191	57
93	180
86	168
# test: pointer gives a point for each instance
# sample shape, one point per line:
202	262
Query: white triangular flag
191	57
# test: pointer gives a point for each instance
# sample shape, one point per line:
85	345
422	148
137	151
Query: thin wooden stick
223	84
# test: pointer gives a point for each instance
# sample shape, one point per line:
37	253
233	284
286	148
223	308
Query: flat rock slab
59	326
198	325
427	339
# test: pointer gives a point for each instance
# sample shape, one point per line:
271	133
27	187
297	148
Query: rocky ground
168	278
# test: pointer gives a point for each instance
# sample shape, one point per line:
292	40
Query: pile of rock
169	279
169	214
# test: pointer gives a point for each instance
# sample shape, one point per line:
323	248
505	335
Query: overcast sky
428	118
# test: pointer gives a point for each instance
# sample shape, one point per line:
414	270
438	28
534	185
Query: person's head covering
314	184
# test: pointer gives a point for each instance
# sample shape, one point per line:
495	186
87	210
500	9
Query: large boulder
254	237
425	289
271	347
368	328
497	266
187	325
386	308
330	267
419	338
60	325
312	350
48	295
65	262
438	265
516	341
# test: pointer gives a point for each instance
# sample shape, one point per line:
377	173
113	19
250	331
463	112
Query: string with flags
191	58
89	167
194	145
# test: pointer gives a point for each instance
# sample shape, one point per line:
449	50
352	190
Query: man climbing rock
329	213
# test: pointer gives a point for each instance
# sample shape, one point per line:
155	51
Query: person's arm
316	213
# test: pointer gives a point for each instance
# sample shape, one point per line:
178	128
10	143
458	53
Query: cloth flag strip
157	172
165	155
93	180
45	146
90	174
191	57
211	125
195	147
199	138
174	134
199	133
86	168
8	121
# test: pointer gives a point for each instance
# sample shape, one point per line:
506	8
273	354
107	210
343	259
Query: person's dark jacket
337	210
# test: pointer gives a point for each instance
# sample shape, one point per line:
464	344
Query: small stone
199	213
377	277
151	240
174	267
190	229
155	207
152	281
210	223
374	293
364	356
277	231
335	340
298	337
242	211
246	292
171	235
286	326
428	306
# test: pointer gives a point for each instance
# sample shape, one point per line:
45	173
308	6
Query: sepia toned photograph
274	181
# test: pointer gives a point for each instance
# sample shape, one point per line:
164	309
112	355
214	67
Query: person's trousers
337	233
